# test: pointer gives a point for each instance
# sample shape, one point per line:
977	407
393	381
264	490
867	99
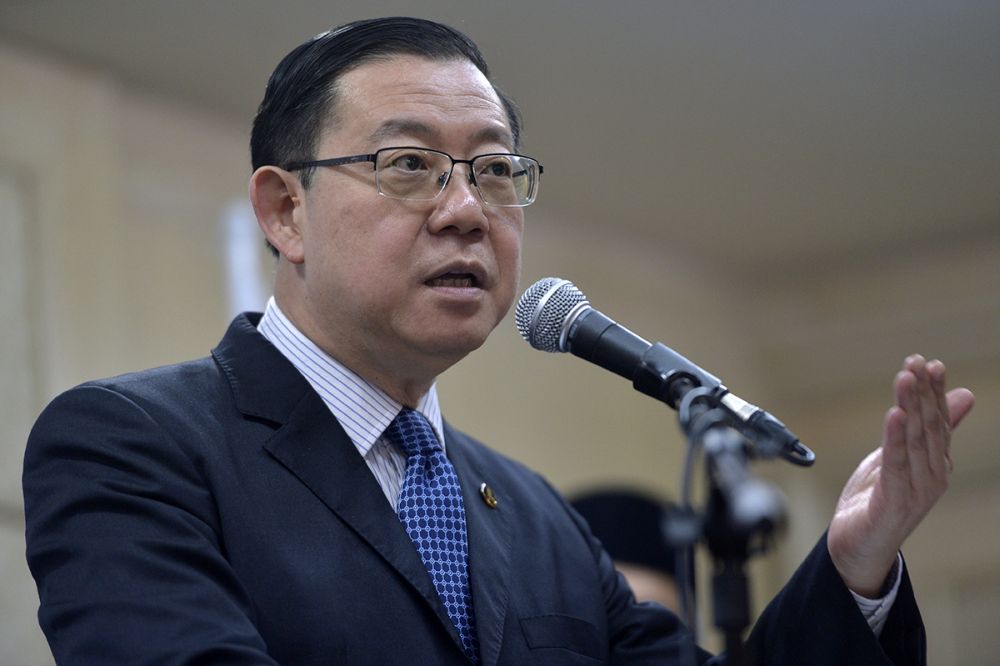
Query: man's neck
405	388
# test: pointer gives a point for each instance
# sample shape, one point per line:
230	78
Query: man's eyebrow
494	135
404	126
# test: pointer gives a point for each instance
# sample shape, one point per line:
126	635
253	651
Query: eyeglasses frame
373	158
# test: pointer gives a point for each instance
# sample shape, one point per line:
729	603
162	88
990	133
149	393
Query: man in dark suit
297	498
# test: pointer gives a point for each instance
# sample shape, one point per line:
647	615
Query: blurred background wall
795	197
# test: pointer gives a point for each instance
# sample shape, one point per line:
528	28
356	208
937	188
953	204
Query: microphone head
542	312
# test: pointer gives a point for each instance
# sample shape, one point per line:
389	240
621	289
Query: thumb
960	402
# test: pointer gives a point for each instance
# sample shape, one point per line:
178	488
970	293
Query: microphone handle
595	337
663	374
652	369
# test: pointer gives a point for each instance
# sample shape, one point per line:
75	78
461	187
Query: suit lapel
489	532
314	448
312	445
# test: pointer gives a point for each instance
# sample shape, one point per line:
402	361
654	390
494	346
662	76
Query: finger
933	416
936	372
894	454
960	402
893	473
908	399
914	363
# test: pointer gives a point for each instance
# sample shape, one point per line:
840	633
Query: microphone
554	316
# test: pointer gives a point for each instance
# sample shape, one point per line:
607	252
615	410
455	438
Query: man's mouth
463	280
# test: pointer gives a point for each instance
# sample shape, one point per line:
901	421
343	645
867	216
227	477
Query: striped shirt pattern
364	410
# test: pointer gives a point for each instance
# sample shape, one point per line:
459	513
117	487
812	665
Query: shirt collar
363	409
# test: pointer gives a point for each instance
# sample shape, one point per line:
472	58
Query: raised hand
896	485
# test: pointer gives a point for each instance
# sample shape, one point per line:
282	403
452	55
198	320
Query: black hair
300	96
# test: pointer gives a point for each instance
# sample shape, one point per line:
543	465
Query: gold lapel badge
487	494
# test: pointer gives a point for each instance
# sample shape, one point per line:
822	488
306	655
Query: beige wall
110	203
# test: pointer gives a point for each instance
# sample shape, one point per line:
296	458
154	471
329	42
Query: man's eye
497	169
409	163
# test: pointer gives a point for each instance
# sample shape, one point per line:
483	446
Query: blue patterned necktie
431	509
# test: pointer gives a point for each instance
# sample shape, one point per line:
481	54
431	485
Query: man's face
407	287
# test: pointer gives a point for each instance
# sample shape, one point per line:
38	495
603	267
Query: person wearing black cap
630	526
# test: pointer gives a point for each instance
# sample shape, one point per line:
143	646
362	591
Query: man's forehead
420	97
396	127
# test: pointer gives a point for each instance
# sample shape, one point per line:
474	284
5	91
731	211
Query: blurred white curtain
247	288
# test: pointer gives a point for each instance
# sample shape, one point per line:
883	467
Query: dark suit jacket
215	512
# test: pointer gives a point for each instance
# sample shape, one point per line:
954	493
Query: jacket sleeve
815	620
122	541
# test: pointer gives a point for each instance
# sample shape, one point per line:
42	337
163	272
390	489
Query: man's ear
278	199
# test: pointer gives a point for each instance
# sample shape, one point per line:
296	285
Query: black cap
630	525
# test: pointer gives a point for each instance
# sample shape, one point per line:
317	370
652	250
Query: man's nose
459	207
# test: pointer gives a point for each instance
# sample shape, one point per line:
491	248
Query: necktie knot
412	433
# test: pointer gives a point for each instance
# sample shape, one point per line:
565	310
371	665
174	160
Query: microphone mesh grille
542	310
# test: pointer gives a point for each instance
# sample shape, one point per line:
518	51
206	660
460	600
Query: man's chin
455	344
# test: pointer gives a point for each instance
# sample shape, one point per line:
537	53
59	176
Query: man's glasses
420	174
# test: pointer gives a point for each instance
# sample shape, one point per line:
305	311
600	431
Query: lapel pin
487	494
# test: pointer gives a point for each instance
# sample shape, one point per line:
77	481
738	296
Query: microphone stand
742	512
